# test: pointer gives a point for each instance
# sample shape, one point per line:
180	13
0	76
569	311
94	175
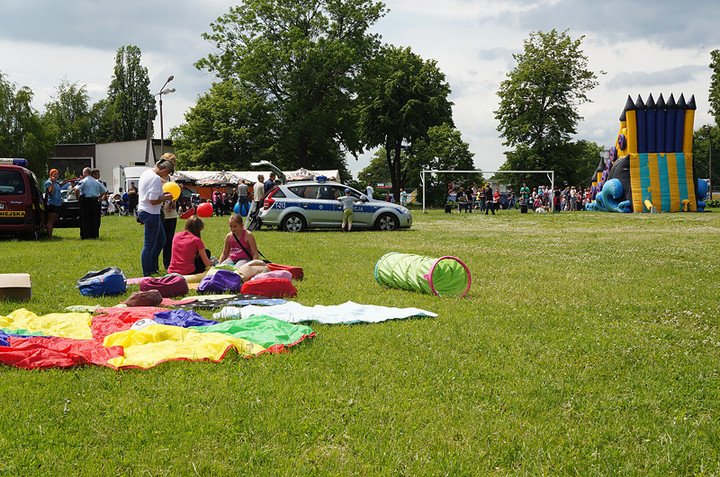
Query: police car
297	206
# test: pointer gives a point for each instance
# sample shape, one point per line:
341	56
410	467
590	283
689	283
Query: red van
22	210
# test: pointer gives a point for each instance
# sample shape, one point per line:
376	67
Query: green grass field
588	345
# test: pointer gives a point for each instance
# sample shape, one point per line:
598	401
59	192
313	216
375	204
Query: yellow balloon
173	188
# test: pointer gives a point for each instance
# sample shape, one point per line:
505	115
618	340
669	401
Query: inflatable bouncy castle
651	167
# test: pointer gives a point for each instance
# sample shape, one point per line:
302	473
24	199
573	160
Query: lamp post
151	116
708	130
160	94
710	162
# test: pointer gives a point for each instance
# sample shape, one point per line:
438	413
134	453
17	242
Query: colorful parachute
139	337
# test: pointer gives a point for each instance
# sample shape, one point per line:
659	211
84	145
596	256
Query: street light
160	94
151	116
710	182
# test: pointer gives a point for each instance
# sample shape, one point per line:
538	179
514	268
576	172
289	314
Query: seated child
189	255
240	246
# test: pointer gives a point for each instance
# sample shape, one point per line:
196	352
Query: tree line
69	118
307	84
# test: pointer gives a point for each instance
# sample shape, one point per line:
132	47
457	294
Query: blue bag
108	281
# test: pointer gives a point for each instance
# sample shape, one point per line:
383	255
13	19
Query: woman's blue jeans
153	243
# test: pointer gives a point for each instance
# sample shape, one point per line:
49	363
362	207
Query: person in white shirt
258	193
151	198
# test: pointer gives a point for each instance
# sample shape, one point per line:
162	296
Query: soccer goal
550	176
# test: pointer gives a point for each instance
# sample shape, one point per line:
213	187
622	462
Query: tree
302	58
68	114
22	133
227	129
443	150
573	162
703	138
401	98
123	116
376	171
102	121
538	102
714	96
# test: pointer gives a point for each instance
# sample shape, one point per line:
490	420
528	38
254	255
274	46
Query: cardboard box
15	286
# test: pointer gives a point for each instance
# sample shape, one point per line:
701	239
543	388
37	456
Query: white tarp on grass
346	313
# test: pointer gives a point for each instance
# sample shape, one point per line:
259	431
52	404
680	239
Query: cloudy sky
643	47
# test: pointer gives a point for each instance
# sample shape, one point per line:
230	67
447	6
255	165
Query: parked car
22	210
297	206
69	215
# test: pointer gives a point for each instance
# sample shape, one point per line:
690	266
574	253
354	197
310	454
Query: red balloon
205	210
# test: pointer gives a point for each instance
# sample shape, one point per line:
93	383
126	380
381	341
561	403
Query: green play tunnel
444	276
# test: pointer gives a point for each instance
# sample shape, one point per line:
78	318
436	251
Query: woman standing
54	200
151	196
168	217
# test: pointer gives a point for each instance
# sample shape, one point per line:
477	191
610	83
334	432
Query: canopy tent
181	178
220	179
198	177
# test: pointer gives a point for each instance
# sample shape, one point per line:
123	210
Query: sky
636	47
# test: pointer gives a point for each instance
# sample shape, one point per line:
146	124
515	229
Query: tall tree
714	96
102	121
302	57
68	114
573	162
539	100
705	138
376	171
124	116
22	132
401	98
227	129
443	150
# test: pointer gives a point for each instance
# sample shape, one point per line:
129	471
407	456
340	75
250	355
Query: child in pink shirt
240	246
189	255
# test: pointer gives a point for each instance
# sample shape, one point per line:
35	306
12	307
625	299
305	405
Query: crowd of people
537	199
569	199
223	202
483	199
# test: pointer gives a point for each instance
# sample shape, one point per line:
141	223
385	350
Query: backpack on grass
108	281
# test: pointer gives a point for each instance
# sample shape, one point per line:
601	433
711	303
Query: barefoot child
240	246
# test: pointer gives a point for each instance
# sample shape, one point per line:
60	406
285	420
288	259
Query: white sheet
346	313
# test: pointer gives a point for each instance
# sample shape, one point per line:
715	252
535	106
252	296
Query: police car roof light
13	161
